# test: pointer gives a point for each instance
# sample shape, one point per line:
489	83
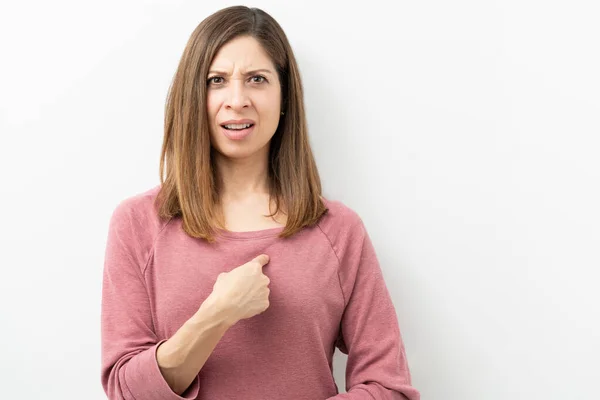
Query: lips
237	127
237	121
238	134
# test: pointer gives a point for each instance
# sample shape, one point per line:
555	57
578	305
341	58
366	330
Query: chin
237	150
233	149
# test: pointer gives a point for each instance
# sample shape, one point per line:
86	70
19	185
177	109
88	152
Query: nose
237	97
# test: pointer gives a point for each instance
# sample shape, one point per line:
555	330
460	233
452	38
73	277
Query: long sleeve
129	342
377	367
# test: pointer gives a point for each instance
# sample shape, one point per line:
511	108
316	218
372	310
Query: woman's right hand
243	291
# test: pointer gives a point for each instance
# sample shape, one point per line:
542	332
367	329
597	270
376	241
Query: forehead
243	53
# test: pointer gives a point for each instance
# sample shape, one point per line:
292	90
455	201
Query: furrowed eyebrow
268	71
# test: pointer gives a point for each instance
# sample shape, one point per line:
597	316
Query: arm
182	356
377	367
135	363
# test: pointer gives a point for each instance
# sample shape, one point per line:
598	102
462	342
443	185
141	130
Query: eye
263	79
211	79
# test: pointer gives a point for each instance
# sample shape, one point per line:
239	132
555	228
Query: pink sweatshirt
327	290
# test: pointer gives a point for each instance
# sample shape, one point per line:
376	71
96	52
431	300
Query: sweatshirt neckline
243	235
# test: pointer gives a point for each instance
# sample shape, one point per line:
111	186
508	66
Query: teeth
237	126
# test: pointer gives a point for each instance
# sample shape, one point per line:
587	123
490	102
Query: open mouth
237	131
237	127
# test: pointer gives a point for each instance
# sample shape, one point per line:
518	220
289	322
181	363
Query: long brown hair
191	188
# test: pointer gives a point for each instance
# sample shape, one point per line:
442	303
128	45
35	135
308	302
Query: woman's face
243	98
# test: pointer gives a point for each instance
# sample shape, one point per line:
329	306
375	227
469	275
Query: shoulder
339	215
138	205
137	215
341	224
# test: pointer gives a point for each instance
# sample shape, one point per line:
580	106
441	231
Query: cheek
212	105
270	104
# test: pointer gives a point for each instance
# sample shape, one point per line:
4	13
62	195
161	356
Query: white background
465	133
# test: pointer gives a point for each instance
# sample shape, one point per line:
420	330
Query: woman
210	294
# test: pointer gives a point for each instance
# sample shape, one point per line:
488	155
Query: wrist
215	311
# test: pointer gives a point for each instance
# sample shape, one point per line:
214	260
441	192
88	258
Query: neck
242	177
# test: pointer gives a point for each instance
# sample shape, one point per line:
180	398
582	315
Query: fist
244	291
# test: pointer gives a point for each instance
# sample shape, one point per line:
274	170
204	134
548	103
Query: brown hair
191	188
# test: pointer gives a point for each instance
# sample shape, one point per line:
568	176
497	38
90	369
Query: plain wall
465	133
